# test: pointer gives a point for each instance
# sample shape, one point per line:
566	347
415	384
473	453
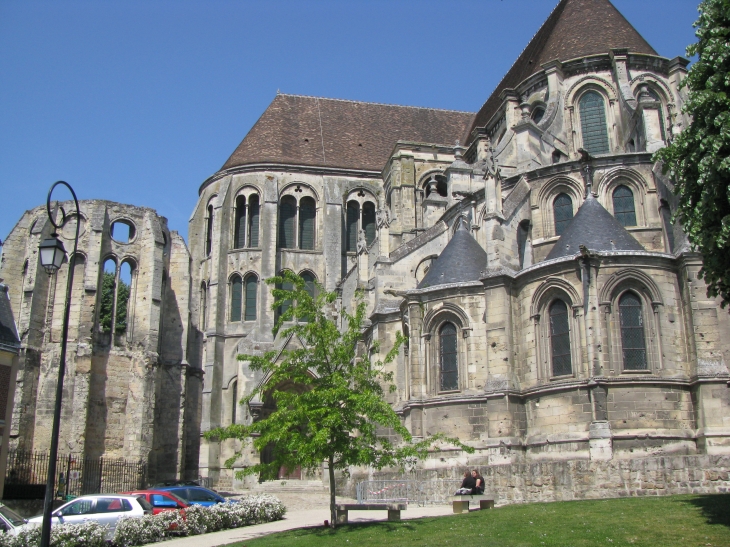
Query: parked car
195	495
160	500
10	521
106	509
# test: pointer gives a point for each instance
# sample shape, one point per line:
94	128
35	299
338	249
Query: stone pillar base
600	444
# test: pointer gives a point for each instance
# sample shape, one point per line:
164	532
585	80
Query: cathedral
553	313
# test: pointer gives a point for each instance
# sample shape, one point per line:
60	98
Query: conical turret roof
575	28
461	261
596	229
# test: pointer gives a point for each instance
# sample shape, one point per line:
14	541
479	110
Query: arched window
287	222
310	287
239	240
562	212
448	361
353	215
593	123
522	234
537	114
633	343
623	206
236	297
281	310
234	400
209	231
253	220
252	285
560	339
203	306
368	221
307	211
116	290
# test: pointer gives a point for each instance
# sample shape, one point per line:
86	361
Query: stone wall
578	479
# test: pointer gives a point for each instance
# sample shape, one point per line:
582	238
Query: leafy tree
337	412
699	157
107	303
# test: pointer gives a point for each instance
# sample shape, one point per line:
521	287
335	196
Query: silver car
106	509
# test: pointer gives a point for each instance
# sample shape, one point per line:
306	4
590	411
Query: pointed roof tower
575	28
461	261
596	229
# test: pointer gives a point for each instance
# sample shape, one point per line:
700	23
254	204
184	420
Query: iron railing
423	492
27	473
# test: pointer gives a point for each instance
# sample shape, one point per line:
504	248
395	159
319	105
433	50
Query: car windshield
14	518
196	494
177	498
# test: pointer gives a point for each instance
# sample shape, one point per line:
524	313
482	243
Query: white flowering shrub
197	520
85	534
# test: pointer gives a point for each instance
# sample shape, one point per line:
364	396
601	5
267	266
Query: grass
657	522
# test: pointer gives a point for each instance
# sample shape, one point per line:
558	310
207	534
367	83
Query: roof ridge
520	55
373	103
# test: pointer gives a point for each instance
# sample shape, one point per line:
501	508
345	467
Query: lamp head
52	253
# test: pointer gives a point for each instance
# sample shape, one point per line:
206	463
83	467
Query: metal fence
423	492
27	474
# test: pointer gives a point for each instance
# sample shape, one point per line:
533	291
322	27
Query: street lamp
52	254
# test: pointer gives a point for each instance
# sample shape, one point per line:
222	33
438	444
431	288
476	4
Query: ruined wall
117	396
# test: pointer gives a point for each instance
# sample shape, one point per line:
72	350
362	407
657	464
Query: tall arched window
281	310
234	400
236	297
353	215
252	285
623	206
116	292
593	123
562	212
368	221
448	361
310	287
307	211
287	222
633	343
203	306
560	339
522	233
239	240
209	231
253	220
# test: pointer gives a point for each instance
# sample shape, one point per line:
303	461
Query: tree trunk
333	510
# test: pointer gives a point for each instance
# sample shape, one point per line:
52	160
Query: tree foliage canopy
329	397
699	157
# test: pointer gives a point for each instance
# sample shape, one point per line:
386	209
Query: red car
161	501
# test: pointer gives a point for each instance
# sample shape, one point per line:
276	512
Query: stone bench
393	509
461	503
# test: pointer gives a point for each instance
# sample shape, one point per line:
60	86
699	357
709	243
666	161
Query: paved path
298	519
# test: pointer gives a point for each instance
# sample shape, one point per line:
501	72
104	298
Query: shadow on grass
715	507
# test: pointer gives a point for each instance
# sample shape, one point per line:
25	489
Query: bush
86	534
198	520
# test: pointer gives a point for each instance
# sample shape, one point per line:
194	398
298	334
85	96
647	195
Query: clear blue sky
140	101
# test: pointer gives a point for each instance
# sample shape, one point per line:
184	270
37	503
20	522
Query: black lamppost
52	255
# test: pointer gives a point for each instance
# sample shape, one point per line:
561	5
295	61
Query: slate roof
575	28
595	228
8	332
461	261
314	131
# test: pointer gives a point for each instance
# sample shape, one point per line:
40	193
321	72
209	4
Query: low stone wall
583	479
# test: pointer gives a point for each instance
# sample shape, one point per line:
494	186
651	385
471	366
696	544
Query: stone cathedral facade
553	311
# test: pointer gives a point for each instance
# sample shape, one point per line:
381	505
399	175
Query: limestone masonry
554	316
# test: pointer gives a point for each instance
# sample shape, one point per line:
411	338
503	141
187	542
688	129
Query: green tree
338	412
699	157
107	303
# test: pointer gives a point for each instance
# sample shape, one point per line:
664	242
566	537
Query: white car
106	509
10	521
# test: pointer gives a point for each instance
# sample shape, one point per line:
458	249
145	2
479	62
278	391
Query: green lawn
655	522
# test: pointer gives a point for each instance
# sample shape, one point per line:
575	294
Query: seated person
478	483
467	485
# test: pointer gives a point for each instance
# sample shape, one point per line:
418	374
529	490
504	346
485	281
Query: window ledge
245	249
448	392
642	371
562	377
300	251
